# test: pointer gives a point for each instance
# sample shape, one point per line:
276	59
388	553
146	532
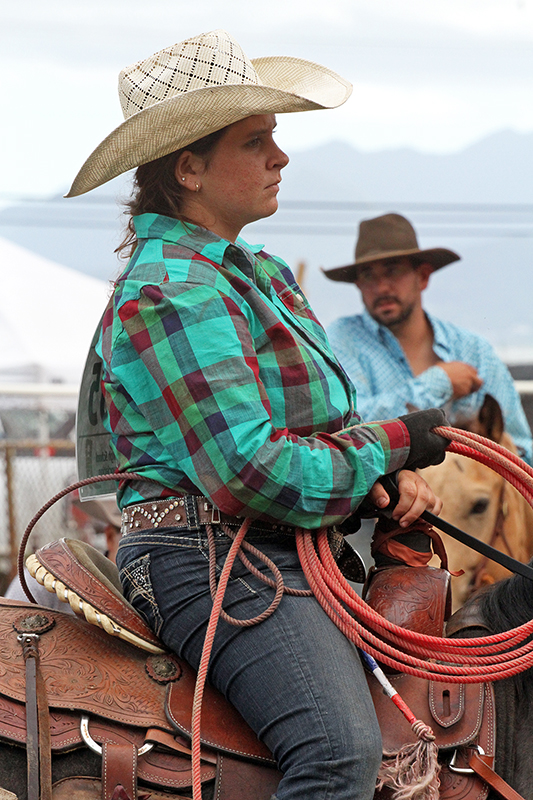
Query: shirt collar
370	322
194	237
441	340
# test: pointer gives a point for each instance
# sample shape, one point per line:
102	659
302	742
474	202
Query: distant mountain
498	169
478	202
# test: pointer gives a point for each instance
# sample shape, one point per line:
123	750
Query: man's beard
394	321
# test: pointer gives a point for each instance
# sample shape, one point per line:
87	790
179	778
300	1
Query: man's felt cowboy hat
385	237
196	87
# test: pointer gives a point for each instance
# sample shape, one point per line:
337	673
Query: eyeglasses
390	271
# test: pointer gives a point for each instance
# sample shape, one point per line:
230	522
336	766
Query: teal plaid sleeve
220	381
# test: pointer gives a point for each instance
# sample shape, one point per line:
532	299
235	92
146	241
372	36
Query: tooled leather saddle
128	697
68	684
462	716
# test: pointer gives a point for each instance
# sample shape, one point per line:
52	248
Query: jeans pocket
136	582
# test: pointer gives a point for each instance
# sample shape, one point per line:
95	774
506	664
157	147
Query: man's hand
415	497
464	377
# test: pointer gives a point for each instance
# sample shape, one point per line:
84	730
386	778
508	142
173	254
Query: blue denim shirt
374	360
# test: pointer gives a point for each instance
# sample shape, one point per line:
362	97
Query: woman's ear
189	170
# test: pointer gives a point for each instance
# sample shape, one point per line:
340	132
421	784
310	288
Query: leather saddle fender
462	716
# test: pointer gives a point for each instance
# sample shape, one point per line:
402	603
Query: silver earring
183	179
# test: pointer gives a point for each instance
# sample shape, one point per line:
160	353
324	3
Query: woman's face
240	181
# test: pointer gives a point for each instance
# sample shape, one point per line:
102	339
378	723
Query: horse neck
517	524
512	533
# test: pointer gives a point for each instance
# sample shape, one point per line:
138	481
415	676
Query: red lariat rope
474	660
488	658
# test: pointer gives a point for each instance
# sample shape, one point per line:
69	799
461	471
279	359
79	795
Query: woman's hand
415	497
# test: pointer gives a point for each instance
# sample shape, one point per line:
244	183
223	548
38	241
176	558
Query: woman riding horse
221	385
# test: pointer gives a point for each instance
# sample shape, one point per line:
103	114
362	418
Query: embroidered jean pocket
136	582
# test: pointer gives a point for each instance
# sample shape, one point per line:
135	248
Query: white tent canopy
48	314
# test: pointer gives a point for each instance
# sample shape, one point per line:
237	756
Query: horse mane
508	603
505	605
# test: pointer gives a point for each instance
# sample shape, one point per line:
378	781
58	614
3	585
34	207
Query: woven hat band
387	234
212	59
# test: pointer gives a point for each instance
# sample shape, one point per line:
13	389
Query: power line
370	205
303	205
443	218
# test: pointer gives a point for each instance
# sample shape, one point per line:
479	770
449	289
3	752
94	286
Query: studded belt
188	512
191	511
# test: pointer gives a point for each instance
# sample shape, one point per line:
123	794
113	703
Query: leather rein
498	532
486	549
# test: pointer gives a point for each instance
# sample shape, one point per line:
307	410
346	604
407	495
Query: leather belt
189	511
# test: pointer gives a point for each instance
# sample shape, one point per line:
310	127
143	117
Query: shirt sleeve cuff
395	441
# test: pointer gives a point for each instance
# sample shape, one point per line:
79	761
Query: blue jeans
295	678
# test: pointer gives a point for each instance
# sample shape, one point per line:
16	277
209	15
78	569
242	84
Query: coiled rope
474	660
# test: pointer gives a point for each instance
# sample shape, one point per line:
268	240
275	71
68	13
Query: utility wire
293	205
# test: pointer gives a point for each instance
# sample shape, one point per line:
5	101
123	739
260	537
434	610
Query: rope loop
473	660
423	731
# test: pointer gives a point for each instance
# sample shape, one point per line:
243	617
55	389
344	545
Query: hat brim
438	257
288	85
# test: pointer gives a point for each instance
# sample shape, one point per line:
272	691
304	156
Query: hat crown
211	59
390	233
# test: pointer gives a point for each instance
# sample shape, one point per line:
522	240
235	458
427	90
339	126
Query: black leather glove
426	448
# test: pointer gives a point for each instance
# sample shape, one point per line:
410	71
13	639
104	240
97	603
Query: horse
123	694
495	608
479	501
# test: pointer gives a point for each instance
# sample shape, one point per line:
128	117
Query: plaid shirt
219	380
376	363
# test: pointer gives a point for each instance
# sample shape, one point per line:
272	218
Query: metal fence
37	460
30	474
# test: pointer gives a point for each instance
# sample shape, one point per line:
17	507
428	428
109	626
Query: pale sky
433	75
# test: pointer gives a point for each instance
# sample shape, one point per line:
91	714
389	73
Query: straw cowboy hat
389	236
196	87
